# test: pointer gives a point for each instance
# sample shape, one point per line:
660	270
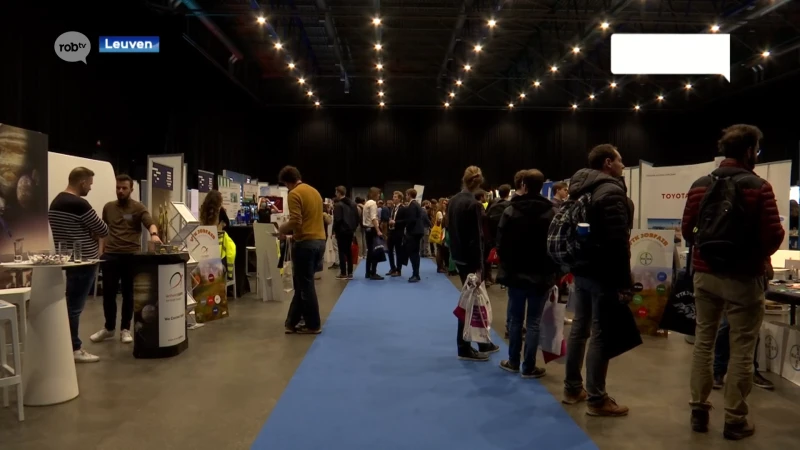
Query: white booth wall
105	184
779	175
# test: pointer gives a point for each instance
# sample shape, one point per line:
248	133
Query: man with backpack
495	211
345	223
731	219
590	234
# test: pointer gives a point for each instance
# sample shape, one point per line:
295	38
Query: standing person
560	193
345	223
125	219
432	212
385	214
361	238
307	229
525	268
602	280
731	219
414	226
396	234
372	230
465	225
426	224
75	224
442	255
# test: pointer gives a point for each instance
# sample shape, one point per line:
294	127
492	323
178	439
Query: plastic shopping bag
475	310
551	328
288	270
378	249
437	235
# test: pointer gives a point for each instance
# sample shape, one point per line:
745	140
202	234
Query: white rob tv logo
129	44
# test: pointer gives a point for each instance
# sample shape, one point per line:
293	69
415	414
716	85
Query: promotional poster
208	278
652	258
23	199
159	299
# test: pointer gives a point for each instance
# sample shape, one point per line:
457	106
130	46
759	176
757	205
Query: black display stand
159	299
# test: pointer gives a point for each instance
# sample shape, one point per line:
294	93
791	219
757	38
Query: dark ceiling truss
426	43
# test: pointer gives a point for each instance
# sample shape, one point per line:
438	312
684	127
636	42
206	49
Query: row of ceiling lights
377	22
292	66
554	69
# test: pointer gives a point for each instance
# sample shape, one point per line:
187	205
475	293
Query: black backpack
724	231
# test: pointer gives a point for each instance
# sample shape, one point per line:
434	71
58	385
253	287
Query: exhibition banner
250	193
205	181
208	278
171	304
662	197
162	176
230	199
23	199
652	260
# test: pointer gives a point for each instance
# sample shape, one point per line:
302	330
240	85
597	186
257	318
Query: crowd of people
731	220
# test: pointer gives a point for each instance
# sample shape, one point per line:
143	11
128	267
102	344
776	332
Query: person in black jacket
414	224
525	268
345	223
394	242
465	225
602	281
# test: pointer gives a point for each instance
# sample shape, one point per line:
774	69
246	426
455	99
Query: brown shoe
574	399
609	408
738	431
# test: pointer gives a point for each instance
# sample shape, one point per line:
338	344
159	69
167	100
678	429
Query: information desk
159	299
781	293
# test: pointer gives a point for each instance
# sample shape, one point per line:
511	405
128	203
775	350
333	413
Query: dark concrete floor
219	393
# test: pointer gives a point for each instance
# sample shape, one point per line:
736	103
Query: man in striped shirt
74	223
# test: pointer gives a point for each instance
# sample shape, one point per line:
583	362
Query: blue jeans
589	298
306	256
517	300
722	349
79	283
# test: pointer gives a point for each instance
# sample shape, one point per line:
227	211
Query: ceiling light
301	80
292	66
378	46
379	66
380	80
310	93
459	83
613	84
591	96
380	94
478	48
688	86
553	68
261	20
660	98
492	23
765	53
316	103
376	21
467	67
446	104
278	45
637	107
604	25
452	95
714	28
574	106
510	105
537	83
576	49
522	95
381	104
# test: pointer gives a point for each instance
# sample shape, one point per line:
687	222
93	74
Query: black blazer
413	219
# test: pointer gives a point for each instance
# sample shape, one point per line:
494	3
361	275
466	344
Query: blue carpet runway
384	375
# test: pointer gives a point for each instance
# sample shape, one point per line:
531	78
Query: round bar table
48	368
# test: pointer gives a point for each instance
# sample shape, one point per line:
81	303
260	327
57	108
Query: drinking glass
18	251
77	252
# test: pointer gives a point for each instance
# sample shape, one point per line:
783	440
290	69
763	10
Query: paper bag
771	346
791	357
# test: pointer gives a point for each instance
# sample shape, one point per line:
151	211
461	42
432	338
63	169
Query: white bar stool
19	297
10	376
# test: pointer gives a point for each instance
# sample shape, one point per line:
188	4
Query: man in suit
413	222
395	241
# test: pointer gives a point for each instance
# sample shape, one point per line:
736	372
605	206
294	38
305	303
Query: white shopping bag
551	327
476	309
791	357
772	346
288	270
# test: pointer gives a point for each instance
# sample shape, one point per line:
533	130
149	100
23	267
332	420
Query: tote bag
437	235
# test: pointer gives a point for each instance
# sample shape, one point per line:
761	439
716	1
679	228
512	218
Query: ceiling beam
333	36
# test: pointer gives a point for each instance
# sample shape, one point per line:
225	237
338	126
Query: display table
48	374
783	294
159	304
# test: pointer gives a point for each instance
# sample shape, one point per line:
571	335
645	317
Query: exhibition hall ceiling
490	54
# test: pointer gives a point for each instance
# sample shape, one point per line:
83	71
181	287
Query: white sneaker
102	335
125	336
82	356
